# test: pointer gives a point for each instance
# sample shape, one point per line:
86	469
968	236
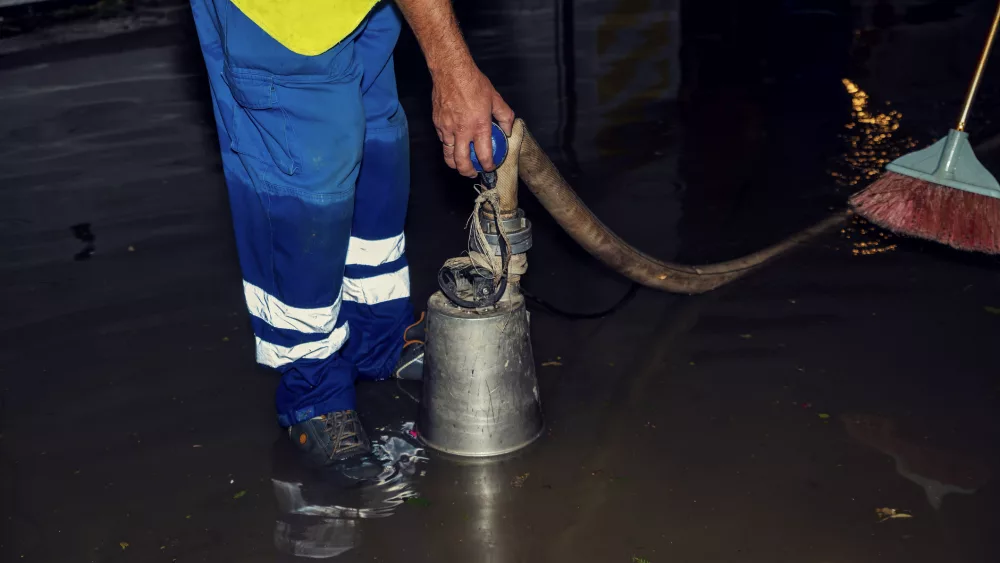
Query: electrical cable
553	310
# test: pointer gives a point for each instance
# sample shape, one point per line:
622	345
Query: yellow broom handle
979	72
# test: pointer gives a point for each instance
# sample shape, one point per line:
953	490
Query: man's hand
465	101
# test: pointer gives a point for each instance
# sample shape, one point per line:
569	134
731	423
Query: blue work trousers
315	151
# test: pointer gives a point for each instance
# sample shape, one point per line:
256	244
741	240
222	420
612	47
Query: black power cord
552	309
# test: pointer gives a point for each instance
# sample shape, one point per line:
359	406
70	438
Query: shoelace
344	430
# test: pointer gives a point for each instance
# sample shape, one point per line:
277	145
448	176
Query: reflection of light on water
487	480
313	525
871	140
867	239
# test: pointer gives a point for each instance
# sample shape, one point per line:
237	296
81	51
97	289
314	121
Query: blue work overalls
315	152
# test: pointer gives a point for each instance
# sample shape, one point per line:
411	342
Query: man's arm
464	99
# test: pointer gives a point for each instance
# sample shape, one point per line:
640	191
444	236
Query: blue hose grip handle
499	149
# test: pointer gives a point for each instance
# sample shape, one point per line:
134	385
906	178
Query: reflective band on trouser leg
291	165
376	281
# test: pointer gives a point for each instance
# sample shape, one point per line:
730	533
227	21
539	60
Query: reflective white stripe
378	289
274	355
361	252
279	315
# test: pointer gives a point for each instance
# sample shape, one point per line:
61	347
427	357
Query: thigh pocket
261	128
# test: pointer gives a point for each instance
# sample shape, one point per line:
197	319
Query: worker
315	152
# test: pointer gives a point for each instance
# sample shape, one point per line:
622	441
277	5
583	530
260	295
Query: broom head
941	193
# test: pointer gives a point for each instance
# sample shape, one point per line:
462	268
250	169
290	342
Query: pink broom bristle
914	207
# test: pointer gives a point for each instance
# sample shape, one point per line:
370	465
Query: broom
941	193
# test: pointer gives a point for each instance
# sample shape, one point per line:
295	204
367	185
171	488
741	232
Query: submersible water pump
480	391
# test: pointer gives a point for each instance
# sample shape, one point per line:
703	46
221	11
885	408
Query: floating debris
393	449
551	364
518	481
240	495
890	514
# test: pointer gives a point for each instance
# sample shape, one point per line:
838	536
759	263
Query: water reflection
871	140
318	519
938	471
872	143
867	239
485	483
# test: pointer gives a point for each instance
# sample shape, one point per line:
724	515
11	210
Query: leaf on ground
890	514
418	501
639	559
240	494
124	544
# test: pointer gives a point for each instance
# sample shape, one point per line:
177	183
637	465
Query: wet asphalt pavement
764	422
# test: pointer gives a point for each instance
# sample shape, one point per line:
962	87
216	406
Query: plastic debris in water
408	429
393	449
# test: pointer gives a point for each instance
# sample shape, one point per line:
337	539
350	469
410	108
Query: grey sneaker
336	440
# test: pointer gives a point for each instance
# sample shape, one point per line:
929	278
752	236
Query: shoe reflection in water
303	530
319	518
